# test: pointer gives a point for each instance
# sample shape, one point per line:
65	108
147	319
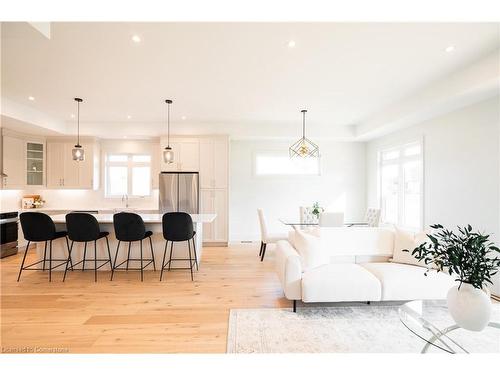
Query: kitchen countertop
148	218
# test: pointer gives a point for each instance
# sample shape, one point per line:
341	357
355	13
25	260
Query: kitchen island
153	223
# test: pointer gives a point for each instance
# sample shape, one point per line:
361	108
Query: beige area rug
341	329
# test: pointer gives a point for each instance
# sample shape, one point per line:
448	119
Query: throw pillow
310	249
407	240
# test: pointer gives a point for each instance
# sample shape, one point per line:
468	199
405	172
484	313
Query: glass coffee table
431	322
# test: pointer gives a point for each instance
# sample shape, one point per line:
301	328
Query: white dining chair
306	215
265	236
372	217
331	219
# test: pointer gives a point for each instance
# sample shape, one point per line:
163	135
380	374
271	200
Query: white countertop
148	218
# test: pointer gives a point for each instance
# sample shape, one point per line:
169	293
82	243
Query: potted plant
316	210
471	257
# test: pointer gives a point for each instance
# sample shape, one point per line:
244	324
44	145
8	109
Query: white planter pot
470	307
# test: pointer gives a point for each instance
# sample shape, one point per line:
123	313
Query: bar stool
129	227
39	227
178	227
83	227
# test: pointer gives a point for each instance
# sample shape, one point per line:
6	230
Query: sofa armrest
289	270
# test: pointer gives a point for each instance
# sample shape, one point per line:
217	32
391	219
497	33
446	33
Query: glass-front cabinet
35	155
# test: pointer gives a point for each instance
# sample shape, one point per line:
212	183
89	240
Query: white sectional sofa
357	268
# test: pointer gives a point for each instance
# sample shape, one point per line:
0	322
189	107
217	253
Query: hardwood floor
127	316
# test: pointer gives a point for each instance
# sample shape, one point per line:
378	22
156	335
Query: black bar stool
178	227
129	227
39	227
83	227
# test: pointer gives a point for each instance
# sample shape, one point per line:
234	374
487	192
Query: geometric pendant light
304	147
78	152
168	153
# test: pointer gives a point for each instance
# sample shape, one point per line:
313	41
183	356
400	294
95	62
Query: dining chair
265	236
39	227
372	217
84	227
331	219
178	227
306	215
129	227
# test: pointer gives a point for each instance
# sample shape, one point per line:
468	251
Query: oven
8	233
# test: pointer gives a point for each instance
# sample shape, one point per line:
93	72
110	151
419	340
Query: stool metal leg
152	253
128	255
67	245
195	256
22	264
190	260
44	255
142	268
84	255
69	258
109	254
163	261
114	264
95	261
50	262
171	250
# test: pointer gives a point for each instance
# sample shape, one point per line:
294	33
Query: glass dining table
296	223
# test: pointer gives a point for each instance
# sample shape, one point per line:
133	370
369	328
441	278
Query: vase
469	307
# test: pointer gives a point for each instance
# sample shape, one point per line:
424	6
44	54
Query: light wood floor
125	315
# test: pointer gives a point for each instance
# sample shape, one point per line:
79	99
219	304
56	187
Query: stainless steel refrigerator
179	192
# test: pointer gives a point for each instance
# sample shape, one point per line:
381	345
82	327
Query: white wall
341	186
461	167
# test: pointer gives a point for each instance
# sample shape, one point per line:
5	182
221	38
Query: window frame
280	153
400	162
130	164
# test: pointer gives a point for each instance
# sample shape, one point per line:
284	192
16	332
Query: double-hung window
401	185
128	174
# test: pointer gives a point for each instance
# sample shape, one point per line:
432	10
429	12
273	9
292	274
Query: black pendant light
168	153
78	152
304	147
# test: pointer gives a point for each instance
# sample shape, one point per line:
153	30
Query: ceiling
236	78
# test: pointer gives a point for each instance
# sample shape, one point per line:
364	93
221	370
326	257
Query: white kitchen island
153	223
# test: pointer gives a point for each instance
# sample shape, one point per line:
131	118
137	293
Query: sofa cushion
311	251
407	282
404	240
340	282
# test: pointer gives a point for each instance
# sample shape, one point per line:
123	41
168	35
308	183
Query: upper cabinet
14	162
214	155
35	163
186	154
65	173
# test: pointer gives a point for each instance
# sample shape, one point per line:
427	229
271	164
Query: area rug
340	329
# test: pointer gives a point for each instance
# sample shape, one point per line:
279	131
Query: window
128	174
401	185
269	163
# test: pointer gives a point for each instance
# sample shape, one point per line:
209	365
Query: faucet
125	199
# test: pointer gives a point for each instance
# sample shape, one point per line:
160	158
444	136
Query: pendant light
304	147
78	152
168	153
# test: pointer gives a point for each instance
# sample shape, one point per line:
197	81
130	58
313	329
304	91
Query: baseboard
214	244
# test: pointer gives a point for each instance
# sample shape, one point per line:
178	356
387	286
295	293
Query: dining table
297	223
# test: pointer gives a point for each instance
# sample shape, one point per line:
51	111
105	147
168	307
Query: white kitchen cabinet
65	173
186	155
215	201
214	154
14	159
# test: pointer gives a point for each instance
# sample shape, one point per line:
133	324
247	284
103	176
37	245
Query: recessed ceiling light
136	38
449	49
72	115
183	117
125	136
291	43
31	98
129	117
